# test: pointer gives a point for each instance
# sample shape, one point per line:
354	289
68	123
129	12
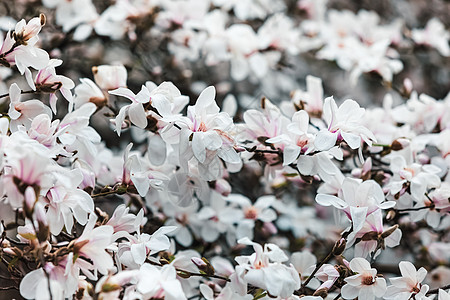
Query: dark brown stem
22	92
435	291
412	209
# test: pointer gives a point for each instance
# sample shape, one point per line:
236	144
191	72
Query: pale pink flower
434	35
357	199
47	81
409	285
110	77
92	245
159	283
344	123
365	284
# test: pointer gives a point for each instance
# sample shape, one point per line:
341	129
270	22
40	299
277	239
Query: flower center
251	213
367	280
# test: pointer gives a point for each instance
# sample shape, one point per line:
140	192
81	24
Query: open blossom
135	110
357	199
205	136
159	283
19	48
373	233
344	123
66	202
22	113
264	269
310	100
434	35
409	285
260	210
365	284
92	245
297	139
48	82
142	244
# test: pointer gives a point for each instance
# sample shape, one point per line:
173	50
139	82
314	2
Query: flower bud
222	187
323	292
339	247
203	265
389	231
407	87
400	144
184	274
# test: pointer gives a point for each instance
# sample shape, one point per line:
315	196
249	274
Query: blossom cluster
150	190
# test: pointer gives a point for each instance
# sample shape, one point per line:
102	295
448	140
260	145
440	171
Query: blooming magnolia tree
147	171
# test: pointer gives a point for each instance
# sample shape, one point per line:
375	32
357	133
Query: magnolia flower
135	110
357	199
260	210
22	113
110	77
122	220
217	218
434	35
297	139
92	245
344	123
365	284
264	269
205	136
135	252
159	283
19	48
47	81
310	100
409	285
88	91
371	234
66	202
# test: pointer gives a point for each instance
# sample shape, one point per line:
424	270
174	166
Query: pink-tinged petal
124	92
325	140
207	292
387	204
120	118
359	265
267	215
408	270
307	165
327	200
354	280
229	155
173	290
209	233
141	182
137	115
239	68
212	140
358	216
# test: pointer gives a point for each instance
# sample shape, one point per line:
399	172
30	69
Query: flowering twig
22	92
435	291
